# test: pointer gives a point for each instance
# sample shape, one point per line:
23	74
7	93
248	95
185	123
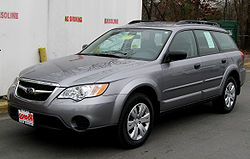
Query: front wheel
136	121
225	103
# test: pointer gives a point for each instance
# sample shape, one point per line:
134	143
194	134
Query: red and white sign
110	21
73	19
26	117
8	15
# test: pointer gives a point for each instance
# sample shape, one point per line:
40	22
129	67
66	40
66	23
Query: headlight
78	93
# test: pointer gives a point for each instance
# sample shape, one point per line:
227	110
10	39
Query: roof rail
141	21
197	22
138	21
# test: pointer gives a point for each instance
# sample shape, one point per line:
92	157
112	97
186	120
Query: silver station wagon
130	75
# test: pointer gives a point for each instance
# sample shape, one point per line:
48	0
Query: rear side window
206	42
224	41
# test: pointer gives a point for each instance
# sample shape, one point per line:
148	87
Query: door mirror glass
177	55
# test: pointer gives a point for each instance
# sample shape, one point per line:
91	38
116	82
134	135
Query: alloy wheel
138	121
229	96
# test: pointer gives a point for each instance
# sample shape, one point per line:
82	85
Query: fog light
80	123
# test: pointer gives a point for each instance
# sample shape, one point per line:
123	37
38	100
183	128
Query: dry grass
3	106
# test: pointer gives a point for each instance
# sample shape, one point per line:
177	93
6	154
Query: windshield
144	44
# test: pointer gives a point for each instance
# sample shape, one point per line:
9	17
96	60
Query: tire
136	121
226	102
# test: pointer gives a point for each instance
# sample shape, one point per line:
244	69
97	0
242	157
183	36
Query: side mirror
174	56
84	46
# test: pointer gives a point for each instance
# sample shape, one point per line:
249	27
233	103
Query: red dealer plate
26	117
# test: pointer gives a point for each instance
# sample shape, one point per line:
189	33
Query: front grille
34	91
40	120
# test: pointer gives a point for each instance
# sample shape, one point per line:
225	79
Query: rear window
224	41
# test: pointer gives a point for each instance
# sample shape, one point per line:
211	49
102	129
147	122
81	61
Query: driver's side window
184	42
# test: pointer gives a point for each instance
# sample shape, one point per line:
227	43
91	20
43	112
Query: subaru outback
128	76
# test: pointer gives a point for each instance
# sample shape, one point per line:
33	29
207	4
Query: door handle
223	61
197	66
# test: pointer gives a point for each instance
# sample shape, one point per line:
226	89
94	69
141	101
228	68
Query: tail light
242	54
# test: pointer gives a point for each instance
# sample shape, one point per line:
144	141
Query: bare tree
147	6
225	9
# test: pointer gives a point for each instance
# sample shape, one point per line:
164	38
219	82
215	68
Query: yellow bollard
42	52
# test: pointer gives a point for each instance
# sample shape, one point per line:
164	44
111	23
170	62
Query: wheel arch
232	72
147	87
236	76
150	93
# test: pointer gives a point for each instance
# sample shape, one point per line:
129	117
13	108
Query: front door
182	80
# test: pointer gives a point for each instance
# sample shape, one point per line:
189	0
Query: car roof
175	26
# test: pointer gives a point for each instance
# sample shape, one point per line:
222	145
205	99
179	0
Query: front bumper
89	113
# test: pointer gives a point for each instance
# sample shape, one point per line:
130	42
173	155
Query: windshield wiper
106	55
115	52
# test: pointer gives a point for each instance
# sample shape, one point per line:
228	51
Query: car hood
79	69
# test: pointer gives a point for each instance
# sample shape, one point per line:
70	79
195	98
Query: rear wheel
136	121
225	103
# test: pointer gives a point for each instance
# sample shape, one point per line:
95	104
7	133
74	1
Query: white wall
20	38
68	38
42	23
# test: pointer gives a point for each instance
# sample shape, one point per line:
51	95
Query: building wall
66	38
20	38
62	26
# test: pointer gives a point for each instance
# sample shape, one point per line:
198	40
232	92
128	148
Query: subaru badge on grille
30	90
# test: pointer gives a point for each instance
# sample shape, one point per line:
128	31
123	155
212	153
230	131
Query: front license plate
26	117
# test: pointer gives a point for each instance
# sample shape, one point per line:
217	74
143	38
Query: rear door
213	63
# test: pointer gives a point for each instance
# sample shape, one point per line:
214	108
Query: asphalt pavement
192	133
